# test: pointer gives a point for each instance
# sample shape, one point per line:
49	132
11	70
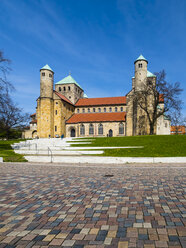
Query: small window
140	65
121	109
78	110
91	129
69	97
116	109
99	109
105	110
64	104
82	129
94	110
121	128
43	74
100	129
55	128
110	109
69	88
64	88
59	88
50	75
56	102
56	112
83	110
88	110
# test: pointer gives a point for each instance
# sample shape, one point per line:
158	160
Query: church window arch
88	110
56	112
83	110
100	129
99	109
59	88
121	128
116	109
105	110
82	129
94	110
91	129
121	109
110	109
50	75
43	74
78	110
64	88
140	65
69	88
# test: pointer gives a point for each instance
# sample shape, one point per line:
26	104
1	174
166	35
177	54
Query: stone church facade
67	111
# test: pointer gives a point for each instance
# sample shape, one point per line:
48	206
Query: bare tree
177	121
11	116
153	93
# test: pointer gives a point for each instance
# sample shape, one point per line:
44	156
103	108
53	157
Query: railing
50	151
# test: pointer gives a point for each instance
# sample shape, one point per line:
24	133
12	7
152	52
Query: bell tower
45	103
140	73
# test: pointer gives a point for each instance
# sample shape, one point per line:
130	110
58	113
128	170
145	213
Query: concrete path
70	206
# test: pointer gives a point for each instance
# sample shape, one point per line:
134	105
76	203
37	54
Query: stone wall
114	126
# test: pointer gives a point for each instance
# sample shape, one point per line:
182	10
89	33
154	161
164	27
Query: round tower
46	82
140	72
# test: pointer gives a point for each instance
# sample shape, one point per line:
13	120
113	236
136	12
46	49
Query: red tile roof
96	117
161	98
178	129
63	97
101	101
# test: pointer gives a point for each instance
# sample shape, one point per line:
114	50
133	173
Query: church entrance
72	133
110	133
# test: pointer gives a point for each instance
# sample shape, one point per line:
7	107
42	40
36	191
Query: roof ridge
66	99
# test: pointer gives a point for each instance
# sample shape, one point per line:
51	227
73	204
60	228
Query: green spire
140	58
68	80
46	67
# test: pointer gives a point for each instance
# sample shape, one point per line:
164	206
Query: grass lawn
8	153
154	146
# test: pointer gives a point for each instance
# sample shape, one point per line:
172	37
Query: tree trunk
151	128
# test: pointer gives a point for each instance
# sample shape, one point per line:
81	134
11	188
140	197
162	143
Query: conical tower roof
46	67
140	58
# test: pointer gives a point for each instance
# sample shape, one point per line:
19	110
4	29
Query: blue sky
97	40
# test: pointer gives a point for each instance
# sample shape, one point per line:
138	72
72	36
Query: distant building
178	130
68	111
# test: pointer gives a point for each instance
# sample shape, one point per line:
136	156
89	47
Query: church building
67	111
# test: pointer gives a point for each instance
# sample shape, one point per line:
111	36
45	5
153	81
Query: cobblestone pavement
74	206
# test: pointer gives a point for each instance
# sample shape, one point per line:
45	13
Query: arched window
121	128
121	109
116	109
59	88
110	109
56	112
99	109
78	110
94	110
82	129
43	74
64	88
100	129
50	75
69	88
83	110
140	65
88	110
91	129
105	110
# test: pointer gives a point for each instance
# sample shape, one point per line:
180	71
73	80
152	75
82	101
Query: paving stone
55	206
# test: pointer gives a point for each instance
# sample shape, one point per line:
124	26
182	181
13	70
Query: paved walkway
92	206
